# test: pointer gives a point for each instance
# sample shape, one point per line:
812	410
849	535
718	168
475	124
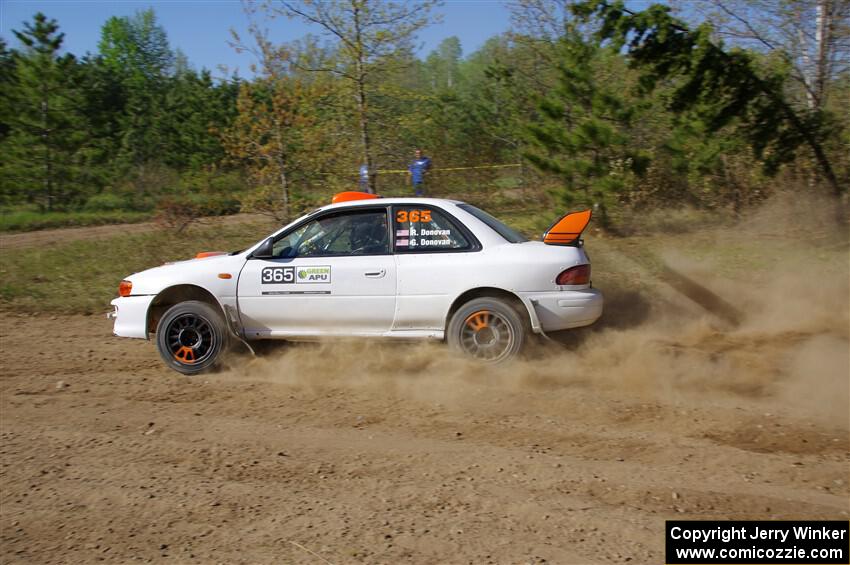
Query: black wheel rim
486	335
191	339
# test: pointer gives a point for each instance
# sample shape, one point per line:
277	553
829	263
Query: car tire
191	337
488	329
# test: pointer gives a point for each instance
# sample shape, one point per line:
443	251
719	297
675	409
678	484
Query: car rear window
496	225
420	229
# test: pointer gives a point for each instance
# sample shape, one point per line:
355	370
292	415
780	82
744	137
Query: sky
201	28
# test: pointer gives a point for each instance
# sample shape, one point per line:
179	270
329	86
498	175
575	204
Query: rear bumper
131	316
564	309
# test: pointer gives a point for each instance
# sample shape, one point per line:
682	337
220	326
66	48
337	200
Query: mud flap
235	328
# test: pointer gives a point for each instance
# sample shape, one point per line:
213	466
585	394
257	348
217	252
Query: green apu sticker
317	274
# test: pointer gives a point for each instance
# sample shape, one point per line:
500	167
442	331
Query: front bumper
131	316
565	309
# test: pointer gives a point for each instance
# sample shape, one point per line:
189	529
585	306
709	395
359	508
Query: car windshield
495	224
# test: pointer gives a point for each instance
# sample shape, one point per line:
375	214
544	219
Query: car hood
208	272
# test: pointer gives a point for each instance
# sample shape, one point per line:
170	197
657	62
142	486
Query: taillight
580	274
125	288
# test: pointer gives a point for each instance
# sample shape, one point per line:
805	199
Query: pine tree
135	49
194	109
43	152
726	87
583	135
7	82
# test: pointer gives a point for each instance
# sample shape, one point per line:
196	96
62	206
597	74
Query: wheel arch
176	294
525	309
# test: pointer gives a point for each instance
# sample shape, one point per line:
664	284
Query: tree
539	25
442	64
104	99
137	46
135	49
274	135
542	20
194	109
43	151
370	34
724	86
7	83
811	36
584	133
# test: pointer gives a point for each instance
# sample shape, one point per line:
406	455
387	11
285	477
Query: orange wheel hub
185	355
478	321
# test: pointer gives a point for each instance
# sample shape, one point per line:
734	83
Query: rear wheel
191	337
488	329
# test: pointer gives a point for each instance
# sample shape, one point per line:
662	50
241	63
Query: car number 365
278	275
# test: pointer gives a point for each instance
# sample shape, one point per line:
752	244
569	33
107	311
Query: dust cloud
788	351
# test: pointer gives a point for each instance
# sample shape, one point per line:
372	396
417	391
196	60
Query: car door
434	255
333	274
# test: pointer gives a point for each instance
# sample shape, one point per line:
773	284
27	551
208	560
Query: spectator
418	170
364	178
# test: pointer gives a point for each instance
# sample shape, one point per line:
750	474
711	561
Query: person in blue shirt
418	170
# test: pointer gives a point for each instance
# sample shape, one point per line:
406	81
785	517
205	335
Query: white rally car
369	267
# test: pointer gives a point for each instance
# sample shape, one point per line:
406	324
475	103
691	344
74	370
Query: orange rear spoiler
567	230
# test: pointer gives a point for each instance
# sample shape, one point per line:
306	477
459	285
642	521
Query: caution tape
384	171
403	171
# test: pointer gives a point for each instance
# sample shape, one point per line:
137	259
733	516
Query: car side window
348	233
424	230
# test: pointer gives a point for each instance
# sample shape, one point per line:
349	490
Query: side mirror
265	250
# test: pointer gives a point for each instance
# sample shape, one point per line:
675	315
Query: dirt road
366	453
343	454
65	235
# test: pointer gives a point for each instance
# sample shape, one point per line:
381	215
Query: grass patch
23	221
82	276
530	223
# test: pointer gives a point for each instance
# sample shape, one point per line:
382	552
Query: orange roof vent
351	196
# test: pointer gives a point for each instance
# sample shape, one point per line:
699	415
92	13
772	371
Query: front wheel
191	337
488	329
